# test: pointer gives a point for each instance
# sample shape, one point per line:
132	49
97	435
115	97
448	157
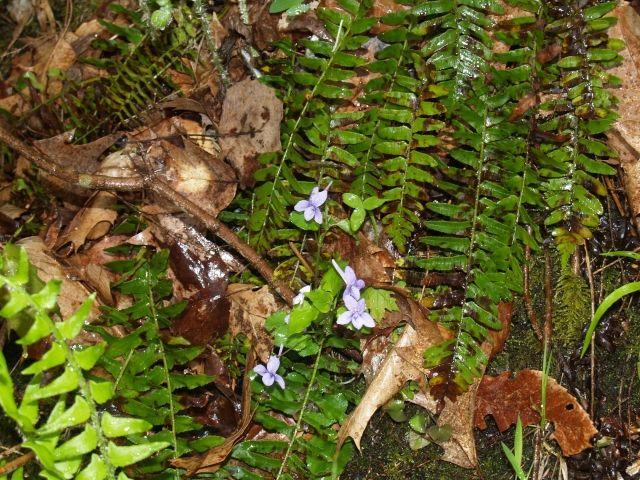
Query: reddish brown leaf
506	399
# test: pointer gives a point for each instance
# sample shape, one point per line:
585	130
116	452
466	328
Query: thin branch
153	183
531	313
7	468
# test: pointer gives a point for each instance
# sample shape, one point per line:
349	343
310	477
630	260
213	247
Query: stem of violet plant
302	409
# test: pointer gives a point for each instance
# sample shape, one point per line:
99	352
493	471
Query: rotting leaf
249	125
207	314
194	173
249	310
212	460
626	135
507	399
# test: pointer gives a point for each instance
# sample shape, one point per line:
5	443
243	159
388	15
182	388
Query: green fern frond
572	162
77	438
318	81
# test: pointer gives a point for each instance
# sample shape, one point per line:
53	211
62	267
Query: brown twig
153	183
548	297
7	468
531	313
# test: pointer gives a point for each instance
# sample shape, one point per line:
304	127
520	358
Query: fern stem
165	365
290	141
198	9
83	385
302	409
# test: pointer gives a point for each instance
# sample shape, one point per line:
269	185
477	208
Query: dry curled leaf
249	125
506	399
72	292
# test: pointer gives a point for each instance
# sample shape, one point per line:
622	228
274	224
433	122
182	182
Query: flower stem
302	409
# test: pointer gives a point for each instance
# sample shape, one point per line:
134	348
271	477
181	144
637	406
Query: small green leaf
573	61
297	218
321	299
418	423
301	317
371	203
128	455
352	200
52	358
101	391
96	470
18	300
83	443
7	402
87	357
161	18
395	409
278	6
71	327
122	426
76	414
378	300
67	382
357	219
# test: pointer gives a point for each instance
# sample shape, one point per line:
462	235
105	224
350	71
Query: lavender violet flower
311	207
269	373
354	284
356	314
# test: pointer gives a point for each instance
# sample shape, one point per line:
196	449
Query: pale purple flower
311	207
269	373
356	314
297	300
353	283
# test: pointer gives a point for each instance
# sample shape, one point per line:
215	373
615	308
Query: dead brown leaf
72	292
93	221
402	363
625	137
507	399
211	460
207	314
249	125
202	178
250	307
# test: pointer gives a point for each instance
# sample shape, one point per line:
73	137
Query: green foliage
572	302
76	438
314	399
313	85
515	456
449	142
573	155
146	365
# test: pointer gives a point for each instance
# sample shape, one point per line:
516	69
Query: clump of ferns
316	81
